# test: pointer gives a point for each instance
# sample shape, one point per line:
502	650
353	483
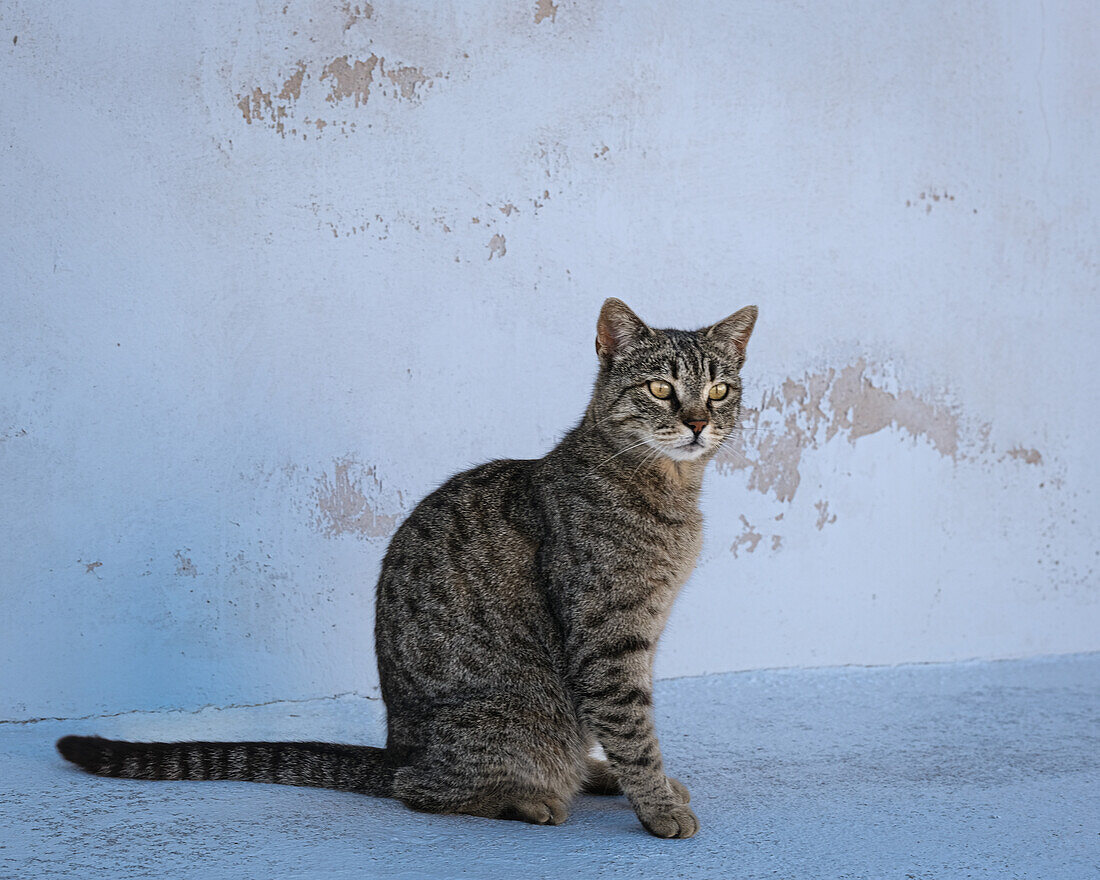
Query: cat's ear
617	329
734	332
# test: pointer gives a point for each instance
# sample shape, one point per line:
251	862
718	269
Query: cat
519	606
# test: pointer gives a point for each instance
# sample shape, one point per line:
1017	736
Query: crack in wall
179	710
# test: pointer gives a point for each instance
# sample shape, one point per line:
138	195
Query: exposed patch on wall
407	80
930	197
350	79
351	502
747	540
342	223
184	566
255	105
806	412
258	105
354	14
257	564
90	567
344	81
546	9
292	88
852	402
552	158
823	518
1027	456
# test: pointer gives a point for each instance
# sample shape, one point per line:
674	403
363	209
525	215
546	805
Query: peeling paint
292	88
343	506
262	571
407	80
928	197
809	411
90	567
345	225
861	408
354	14
350	80
508	210
184	566
497	247
254	105
748	539
823	518
546	9
258	105
1027	456
342	78
803	413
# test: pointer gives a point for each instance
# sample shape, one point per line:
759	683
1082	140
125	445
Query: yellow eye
660	390
718	391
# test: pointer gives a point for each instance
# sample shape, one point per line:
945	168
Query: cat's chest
660	552
675	548
651	573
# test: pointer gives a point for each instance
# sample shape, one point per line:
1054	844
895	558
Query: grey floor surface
973	770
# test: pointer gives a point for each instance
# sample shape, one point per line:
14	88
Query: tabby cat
519	607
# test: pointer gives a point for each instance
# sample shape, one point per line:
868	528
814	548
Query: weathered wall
271	271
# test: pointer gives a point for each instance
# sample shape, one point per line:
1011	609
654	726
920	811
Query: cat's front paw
670	822
678	789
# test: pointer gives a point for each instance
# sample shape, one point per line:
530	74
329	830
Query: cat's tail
362	769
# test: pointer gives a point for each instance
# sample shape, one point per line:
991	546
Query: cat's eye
718	391
660	390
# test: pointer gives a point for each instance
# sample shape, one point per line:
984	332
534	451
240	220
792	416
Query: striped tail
362	769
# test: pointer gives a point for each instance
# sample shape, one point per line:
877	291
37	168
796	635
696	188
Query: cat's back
485	511
458	581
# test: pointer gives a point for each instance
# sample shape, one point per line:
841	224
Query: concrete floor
974	770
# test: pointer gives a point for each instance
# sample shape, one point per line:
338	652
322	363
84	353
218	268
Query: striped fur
362	769
519	607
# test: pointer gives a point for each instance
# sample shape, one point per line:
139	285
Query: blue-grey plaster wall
271	271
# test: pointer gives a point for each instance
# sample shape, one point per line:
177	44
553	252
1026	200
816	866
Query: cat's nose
697	426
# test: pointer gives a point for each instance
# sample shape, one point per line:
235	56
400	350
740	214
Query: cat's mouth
687	450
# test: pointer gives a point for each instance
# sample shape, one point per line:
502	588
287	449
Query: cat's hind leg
499	768
431	788
600	780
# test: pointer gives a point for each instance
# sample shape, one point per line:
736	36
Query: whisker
729	450
645	460
597	423
620	452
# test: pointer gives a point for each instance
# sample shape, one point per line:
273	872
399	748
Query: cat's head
676	392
